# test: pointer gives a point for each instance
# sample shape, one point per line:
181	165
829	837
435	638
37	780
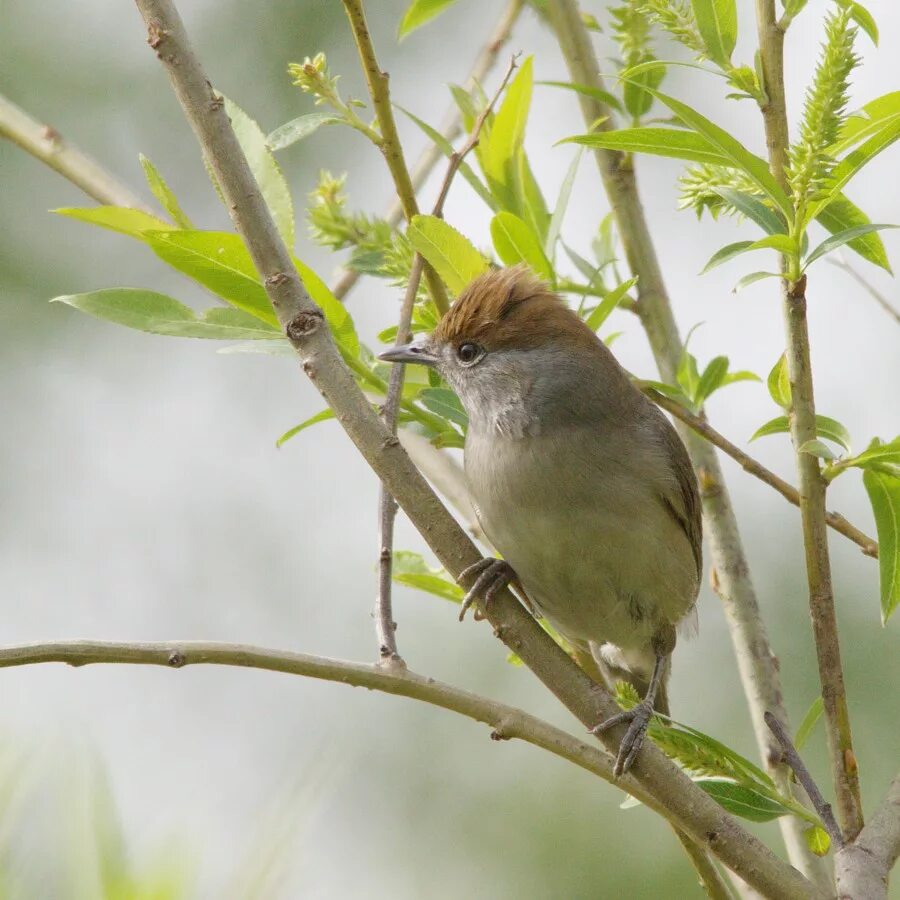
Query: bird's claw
638	719
491	576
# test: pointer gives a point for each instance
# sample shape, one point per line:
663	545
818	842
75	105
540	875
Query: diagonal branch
837	260
757	663
46	144
695	812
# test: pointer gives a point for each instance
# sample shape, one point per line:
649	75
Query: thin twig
868	545
450	129
385	626
390	145
844	770
696	813
711	879
756	660
48	145
794	760
837	259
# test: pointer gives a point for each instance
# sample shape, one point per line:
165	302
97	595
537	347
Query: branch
46	144
756	661
690	808
841	263
699	424
390	146
451	127
813	514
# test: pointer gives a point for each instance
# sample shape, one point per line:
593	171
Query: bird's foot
491	576
638	719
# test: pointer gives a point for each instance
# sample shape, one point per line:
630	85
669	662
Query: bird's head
509	341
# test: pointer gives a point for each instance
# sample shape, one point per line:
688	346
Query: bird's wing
683	497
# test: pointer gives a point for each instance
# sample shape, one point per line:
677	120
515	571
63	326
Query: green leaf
752	278
411	570
562	204
779	383
723	254
813	714
219	261
841	214
841	238
418	13
755	168
883	489
447	149
742	800
712	379
818	448
163	194
717	24
132	222
825	427
866	121
753	209
877	454
638	99
323	416
602	311
508	129
672	142
336	315
451	255
817	840
159	314
445	403
265	170
585	90
515	242
297	129
865	20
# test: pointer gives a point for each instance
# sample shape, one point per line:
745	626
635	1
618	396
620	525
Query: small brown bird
578	480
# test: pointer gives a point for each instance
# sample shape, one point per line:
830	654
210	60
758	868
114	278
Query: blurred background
143	498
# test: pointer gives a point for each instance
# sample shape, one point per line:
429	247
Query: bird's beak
415	352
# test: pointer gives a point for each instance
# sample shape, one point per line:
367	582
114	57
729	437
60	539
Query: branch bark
693	810
757	664
844	771
46	144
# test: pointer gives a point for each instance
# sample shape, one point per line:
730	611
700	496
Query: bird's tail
604	672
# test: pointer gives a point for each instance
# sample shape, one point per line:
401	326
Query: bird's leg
491	576
638	719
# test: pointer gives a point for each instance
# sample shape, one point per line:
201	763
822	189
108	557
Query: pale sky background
142	497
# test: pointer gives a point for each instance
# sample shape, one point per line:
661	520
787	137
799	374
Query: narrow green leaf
447	149
825	427
841	238
883	489
780	242
132	222
841	214
755	168
742	800
753	209
297	129
742	375
323	416
602	311
508	129
446	404
813	714
866	121
671	142
752	278
712	379
865	20
562	204
159	314
601	96
418	13
265	169
453	257
779	383
635	94
723	254
817	840
411	570
717	24
219	261
877	454
515	242
163	193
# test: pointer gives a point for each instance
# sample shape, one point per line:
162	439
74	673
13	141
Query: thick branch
756	662
699	424
390	146
49	146
695	812
813	486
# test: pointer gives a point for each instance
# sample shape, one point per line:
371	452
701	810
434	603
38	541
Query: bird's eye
468	353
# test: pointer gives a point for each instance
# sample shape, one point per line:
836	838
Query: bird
578	480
